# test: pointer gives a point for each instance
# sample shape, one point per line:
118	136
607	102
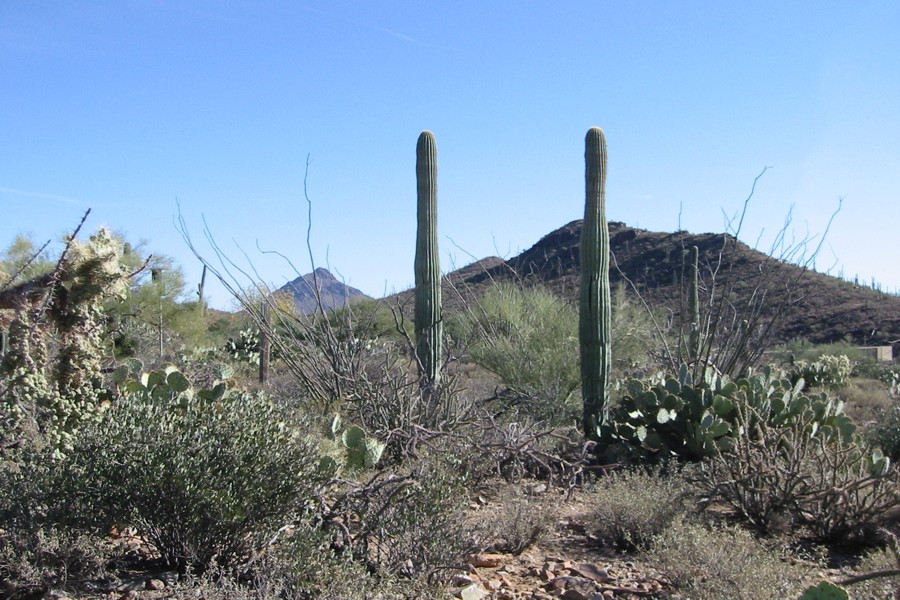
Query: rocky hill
333	293
819	308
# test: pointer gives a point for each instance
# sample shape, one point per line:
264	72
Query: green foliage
594	309
244	347
428	311
671	416
23	260
528	338
204	474
349	448
825	591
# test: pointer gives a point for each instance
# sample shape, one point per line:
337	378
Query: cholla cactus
56	398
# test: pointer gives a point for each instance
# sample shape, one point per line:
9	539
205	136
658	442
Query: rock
155	584
592	572
576	595
486	560
472	592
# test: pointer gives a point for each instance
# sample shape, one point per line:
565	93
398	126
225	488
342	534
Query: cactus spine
594	311
428	321
694	342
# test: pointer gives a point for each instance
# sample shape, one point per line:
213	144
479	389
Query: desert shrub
303	565
711	564
785	471
203	474
34	561
529	339
517	523
631	508
405	524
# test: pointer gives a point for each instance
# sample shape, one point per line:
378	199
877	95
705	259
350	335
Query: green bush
631	508
529	339
203	475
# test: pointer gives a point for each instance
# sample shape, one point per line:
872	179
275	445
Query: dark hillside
823	308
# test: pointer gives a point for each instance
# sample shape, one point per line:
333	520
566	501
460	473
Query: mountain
822	308
332	292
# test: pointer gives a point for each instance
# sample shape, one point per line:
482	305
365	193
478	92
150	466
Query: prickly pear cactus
428	320
594	311
825	591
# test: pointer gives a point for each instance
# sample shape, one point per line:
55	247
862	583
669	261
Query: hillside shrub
204	475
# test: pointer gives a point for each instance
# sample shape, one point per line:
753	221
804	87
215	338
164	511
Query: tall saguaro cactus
428	320
594	311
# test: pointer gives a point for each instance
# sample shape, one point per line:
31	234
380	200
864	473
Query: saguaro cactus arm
594	310
428	319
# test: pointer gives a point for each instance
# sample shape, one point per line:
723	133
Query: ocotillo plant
694	307
428	323
594	311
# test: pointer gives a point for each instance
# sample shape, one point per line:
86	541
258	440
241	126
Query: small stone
592	572
486	560
472	592
156	584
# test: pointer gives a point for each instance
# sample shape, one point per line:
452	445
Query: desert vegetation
524	443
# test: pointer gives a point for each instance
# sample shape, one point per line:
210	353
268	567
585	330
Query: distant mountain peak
332	292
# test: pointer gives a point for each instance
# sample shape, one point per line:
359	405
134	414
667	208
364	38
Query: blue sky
133	106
